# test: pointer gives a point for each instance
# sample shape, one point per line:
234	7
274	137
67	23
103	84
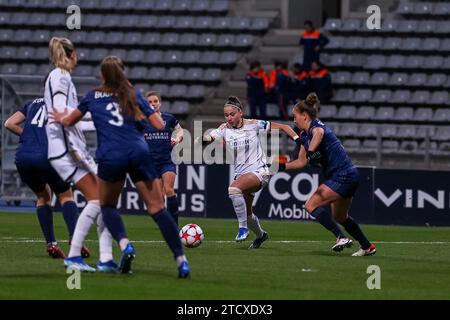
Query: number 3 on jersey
115	111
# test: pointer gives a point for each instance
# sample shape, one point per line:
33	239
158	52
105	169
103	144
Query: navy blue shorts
166	166
138	163
344	183
36	172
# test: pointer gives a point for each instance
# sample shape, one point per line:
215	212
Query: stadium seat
442	134
420	96
225	40
388	130
427	26
126	4
417	79
433	62
24	53
362	95
406	26
9	68
337	60
181	5
439	97
145	5
395	61
211	57
170	39
188	39
212	74
163	5
177	90
41	53
196	91
83	71
6	35
259	24
411	44
44	69
121	53
240	23
148	21
203	23
341	77
384	113
336	42
218	6
391	43
344	95
99	54
185	22
408	146
156	73
445	45
430	44
372	43
405	8
353	42
327	111
22	35
381	96
389	146
442	27
163	89
138	73
95	37
173	56
369	146
401	96
228	57
206	40
92	20
332	25
398	79
379	78
179	107
351	25
191	57
389	25
348	129
375	61
442	115
222	23
423	8
334	126
352	145
243	40
404	114
414	62
175	73
357	60
19	19
115	38
360	78
346	112
365	113
193	74
367	130
423	114
436	80
151	38
110	20
441	8
406	131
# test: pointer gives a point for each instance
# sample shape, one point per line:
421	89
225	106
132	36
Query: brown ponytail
115	81
311	105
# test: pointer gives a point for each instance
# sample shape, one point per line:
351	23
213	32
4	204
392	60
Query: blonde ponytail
60	52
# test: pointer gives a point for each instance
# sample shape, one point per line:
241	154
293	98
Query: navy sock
169	231
45	217
70	215
113	221
355	231
172	207
325	219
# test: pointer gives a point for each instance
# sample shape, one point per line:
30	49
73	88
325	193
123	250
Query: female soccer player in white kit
242	137
68	155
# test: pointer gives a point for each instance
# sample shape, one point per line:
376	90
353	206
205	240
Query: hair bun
312	99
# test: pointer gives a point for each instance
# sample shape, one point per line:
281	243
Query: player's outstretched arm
65	118
298	163
13	123
316	139
178	135
156	121
285	128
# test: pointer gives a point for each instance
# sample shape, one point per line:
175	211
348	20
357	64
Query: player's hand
174	142
57	117
314	158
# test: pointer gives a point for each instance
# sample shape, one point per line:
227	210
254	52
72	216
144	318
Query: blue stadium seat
420	97
228	57
9	68
126	4
351	25
430	44
332	24
398	79
181	5
196	91
166	22
343	95
426	26
153	56
191	57
225	40
206	39
173	56
327	111
178	90
411	44
353	42
406	26
114	38
44	69
135	55
163	89
404	114
6	35
401	96
83	71
188	39
170	39
439	97
243	40
193	74
163	5
218	6
212	74
391	43
121	53
92	20
203	23
148	21
405	8
24	53
372	43
145	5
209	57
134	38
179	107
156	73
433	62
78	36
389	25
95	37
395	61
98	54
222	23
336	42
185	22
384	113
381	96
41	53
128	21
175	73
19	18
346	112
414	62
442	115
379	78
240	23
436	80
362	95
388	130
260	24
138	73
365	113
423	8
348	130
341	77
423	114
406	131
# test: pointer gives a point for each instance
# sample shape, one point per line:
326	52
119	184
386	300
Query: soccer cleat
258	241
341	244
55	251
77	263
242	234
368	252
127	256
109	266
184	270
84	251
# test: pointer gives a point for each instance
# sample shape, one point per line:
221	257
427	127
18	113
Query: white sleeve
59	86
86	125
218	133
263	125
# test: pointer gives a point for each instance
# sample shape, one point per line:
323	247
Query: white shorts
74	165
262	174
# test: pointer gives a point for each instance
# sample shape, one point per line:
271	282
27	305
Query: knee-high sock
355	231
240	207
325	219
45	217
253	224
70	215
172	207
105	240
114	223
169	231
86	219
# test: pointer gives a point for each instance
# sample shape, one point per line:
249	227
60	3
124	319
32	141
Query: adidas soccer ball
191	235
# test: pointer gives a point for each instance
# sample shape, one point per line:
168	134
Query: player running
68	155
321	147
118	111
161	144
242	137
37	173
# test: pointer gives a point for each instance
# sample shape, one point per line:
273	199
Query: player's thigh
247	183
44	197
168	179
151	193
340	209
88	185
110	192
321	197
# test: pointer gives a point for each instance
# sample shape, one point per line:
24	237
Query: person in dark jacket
313	42
257	87
320	81
300	88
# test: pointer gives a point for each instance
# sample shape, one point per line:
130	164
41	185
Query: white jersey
60	93
245	144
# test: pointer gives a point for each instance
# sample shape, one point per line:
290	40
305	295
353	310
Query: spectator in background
313	42
320	81
300	83
257	87
272	79
283	90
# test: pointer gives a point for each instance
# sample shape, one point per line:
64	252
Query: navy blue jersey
334	157
34	138
116	133
159	141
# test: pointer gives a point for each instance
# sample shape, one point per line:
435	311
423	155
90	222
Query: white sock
181	259
105	241
240	207
86	219
253	224
123	243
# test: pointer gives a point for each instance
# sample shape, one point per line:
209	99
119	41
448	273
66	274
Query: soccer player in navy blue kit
37	173
161	144
321	147
118	112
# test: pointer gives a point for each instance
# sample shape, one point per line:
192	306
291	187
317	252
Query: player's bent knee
234	192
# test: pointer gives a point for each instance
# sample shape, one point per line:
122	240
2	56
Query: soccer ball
191	235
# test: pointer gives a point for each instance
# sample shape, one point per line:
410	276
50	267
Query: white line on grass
31	240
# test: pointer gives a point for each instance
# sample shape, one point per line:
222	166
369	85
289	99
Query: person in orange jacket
313	42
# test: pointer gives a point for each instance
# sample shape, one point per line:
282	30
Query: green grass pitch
296	263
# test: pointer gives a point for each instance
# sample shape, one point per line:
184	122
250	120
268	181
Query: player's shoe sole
259	241
341	244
